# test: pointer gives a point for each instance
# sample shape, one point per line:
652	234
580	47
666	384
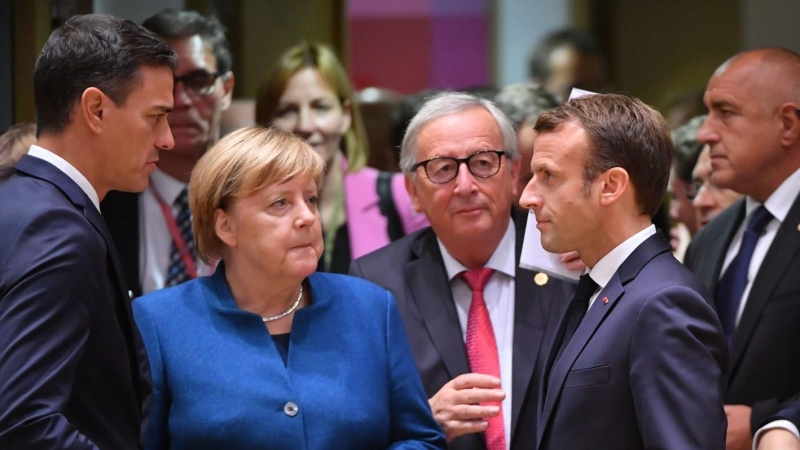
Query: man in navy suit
73	372
461	163
637	359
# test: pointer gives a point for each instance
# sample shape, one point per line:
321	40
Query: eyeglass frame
459	161
210	88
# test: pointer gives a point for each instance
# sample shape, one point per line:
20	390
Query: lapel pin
540	279
605	300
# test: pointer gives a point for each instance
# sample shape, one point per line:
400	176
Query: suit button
290	409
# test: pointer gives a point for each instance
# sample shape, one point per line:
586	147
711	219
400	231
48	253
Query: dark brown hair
622	132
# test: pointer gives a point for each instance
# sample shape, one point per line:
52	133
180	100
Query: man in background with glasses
474	318
153	229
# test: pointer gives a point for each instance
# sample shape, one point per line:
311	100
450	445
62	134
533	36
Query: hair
317	56
171	24
539	62
449	103
239	164
15	142
93	50
525	102
622	132
687	148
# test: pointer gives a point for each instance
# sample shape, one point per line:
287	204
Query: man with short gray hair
474	318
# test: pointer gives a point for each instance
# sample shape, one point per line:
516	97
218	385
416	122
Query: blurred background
660	51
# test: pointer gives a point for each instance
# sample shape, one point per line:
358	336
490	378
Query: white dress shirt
155	240
778	204
69	170
608	265
499	297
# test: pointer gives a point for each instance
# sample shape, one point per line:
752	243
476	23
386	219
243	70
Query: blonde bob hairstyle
317	56
238	165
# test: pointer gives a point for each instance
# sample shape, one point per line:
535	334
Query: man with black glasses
153	230
474	318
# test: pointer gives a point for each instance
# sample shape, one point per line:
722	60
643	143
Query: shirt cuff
785	424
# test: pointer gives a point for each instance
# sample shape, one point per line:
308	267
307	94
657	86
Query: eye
279	203
322	107
285	111
312	200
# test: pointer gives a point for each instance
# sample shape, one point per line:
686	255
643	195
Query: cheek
285	124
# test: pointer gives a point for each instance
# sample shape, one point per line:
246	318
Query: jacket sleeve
48	292
412	423
156	431
677	357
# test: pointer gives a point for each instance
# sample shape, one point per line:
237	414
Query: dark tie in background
482	348
178	272
732	284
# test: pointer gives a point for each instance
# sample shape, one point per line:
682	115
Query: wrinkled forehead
459	135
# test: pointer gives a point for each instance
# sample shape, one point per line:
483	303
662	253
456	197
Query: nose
465	182
530	199
164	139
703	199
706	134
305	123
180	95
305	215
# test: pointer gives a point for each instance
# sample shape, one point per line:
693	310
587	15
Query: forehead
193	53
737	83
307	83
459	134
154	88
567	143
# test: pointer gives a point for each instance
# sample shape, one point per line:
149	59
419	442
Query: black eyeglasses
200	82
442	169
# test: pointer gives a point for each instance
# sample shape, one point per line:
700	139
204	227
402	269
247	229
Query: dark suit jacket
121	213
764	367
73	371
644	368
412	269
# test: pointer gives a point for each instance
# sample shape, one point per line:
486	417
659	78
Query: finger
456	428
474	380
476	396
473	412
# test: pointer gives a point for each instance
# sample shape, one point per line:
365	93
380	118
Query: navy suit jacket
413	270
220	381
764	369
644	368
73	372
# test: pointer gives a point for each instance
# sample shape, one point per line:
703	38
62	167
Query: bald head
753	126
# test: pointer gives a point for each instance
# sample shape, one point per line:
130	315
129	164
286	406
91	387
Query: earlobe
412	193
516	168
347	116
92	109
790	118
224	228
227	86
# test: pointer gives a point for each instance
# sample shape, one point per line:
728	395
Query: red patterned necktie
482	348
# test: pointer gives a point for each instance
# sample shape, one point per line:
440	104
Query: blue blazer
220	382
73	370
644	368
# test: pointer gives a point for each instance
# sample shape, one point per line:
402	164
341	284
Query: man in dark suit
461	162
638	356
73	372
152	229
749	256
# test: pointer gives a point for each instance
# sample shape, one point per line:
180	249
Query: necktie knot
585	289
477	279
761	217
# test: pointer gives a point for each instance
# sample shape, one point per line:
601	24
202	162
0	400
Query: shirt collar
779	203
169	188
609	264
68	169
503	259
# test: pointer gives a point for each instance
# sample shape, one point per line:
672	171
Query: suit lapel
429	288
597	313
778	259
717	248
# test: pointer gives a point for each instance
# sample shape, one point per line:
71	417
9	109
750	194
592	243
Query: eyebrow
717	104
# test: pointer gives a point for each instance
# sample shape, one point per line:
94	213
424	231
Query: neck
770	181
177	166
253	292
74	150
474	252
332	187
614	234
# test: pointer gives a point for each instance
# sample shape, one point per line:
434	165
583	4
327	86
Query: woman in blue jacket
266	353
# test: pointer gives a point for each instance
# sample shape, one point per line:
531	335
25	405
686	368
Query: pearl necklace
288	311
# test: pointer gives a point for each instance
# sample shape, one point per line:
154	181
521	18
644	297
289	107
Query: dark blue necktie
732	284
177	272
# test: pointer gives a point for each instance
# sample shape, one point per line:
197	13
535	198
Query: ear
225	228
92	109
613	185
790	123
411	188
516	167
227	88
347	116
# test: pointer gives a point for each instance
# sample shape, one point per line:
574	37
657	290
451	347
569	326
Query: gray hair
525	102
448	103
